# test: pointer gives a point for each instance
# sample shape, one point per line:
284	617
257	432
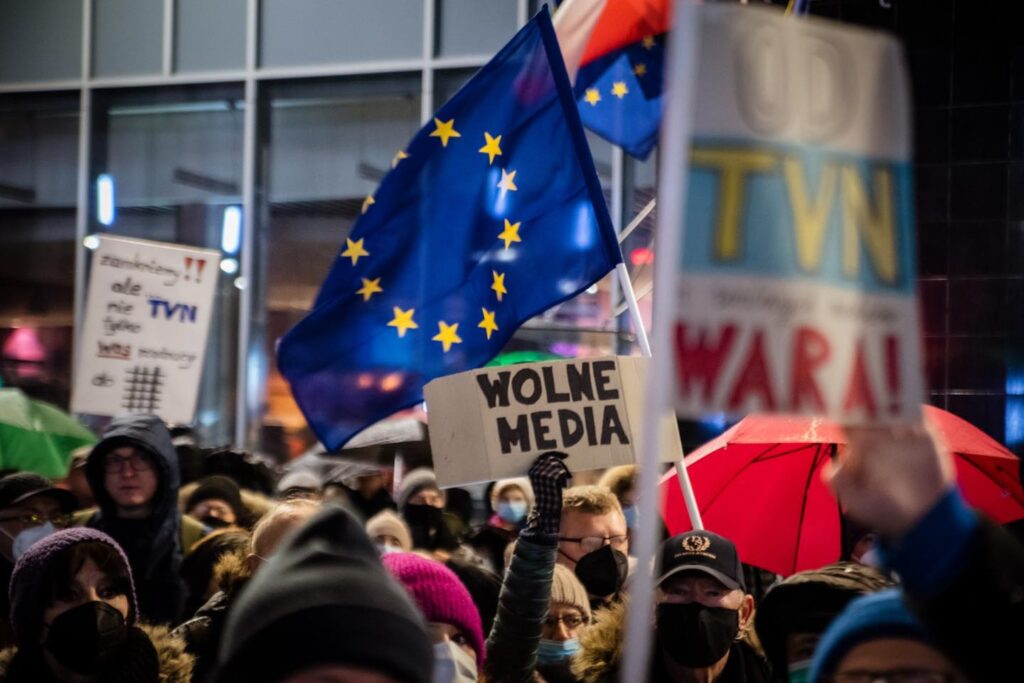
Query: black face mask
215	522
603	571
694	635
85	638
429	530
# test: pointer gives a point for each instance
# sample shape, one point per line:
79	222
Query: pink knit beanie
440	595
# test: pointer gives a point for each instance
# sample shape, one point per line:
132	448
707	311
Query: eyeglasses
35	519
571	621
136	463
894	676
591	543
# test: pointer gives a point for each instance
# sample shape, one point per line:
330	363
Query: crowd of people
153	562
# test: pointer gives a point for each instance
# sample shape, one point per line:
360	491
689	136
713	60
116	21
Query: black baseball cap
20	486
702	551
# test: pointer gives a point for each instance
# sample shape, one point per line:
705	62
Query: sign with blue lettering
793	269
146	320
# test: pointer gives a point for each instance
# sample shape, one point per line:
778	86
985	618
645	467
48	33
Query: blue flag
492	214
620	95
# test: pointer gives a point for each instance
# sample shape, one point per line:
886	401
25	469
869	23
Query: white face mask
452	664
387	548
26	537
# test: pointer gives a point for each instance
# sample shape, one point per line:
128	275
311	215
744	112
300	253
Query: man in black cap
30	509
703	611
217	503
324	609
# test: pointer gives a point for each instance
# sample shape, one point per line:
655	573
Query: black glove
548	476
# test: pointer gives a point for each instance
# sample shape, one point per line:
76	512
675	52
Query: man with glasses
593	541
133	472
30	509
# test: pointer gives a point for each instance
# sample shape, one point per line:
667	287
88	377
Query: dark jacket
489	542
522	609
600	656
153	545
173	665
964	577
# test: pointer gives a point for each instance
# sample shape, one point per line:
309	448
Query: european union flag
492	214
620	95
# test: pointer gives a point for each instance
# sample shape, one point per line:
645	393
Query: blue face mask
629	512
555	651
513	512
799	672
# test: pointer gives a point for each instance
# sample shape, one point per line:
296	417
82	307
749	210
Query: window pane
40	40
301	32
329	144
209	35
38	187
127	37
174	158
474	27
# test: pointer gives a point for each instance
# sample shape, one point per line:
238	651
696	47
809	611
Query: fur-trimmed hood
175	664
232	571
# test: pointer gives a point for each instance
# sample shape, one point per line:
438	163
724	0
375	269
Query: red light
641	256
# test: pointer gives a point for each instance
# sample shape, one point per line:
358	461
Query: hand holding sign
548	476
890	476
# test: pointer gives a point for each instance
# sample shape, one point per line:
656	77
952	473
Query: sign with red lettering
492	423
794	275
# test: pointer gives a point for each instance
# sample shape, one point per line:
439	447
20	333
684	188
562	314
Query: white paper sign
794	280
146	323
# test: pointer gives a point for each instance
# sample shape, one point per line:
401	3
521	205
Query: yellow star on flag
498	283
398	157
369	288
368	202
445	130
403	320
491	149
448	335
619	89
488	323
354	250
640	69
508	181
510	234
648	42
592	97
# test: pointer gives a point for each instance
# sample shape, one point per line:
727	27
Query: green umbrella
513	357
37	436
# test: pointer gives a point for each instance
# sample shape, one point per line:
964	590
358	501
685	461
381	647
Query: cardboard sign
146	322
795	273
492	423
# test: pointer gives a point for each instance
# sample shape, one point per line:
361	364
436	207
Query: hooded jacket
324	598
153	545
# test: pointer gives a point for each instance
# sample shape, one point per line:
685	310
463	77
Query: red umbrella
760	484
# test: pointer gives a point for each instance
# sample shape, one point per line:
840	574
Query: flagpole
634	309
679	108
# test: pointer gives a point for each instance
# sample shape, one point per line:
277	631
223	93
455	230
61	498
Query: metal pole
682	58
634	309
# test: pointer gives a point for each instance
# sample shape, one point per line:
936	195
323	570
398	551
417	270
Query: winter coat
600	654
202	632
964	578
522	609
489	542
175	662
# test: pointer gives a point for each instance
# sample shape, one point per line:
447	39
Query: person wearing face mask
621	481
593	542
325	609
568	614
30	509
389	533
511	500
453	621
76	619
701	622
421	504
217	503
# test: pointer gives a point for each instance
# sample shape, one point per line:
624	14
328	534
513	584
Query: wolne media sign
492	423
795	281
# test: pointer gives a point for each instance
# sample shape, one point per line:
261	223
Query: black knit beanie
217	487
324	598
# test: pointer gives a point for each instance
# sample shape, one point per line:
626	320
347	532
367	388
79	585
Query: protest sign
795	278
146	322
492	423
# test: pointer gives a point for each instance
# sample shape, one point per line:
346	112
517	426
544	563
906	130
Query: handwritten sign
146	323
795	281
492	423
